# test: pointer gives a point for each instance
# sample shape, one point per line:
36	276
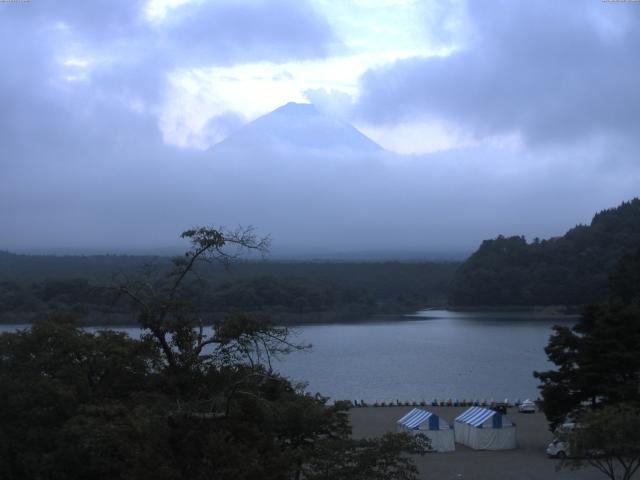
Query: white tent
420	421
483	429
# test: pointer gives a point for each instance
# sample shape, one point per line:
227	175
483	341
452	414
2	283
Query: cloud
82	158
83	162
550	72
233	31
334	102
117	49
69	61
125	188
220	127
95	20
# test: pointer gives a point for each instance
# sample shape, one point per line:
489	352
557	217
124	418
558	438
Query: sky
494	117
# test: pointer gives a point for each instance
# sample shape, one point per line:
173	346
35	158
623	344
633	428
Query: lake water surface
431	354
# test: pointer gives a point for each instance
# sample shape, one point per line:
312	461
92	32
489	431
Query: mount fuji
299	126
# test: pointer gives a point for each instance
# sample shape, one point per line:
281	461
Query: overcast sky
513	117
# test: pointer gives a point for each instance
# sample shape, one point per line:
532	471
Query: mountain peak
300	125
297	108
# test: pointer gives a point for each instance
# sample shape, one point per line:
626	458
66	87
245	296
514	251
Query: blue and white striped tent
429	424
484	429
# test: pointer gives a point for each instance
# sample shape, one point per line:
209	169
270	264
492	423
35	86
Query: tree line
290	292
570	270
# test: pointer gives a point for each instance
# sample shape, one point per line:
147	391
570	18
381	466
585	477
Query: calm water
429	354
432	354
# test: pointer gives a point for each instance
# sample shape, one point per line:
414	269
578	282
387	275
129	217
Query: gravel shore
527	462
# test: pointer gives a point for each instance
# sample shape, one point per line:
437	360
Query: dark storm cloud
129	60
82	162
132	55
95	19
552	71
247	30
234	30
82	165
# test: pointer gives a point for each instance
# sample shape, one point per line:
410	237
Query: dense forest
291	292
570	270
176	403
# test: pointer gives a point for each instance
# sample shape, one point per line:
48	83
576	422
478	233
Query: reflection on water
433	353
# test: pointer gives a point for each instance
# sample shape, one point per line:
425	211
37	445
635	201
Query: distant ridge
299	125
570	270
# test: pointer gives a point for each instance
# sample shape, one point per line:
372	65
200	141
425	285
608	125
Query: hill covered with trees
291	292
570	270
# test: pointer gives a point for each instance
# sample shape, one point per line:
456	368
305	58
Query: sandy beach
527	462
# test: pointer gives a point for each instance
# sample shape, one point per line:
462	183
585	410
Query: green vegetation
291	292
76	405
570	270
609	440
598	360
176	404
597	377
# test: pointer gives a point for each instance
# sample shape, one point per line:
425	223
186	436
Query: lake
430	354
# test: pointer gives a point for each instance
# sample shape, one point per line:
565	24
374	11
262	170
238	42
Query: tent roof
415	418
475	416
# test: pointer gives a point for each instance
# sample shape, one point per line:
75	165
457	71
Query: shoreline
568	310
292	319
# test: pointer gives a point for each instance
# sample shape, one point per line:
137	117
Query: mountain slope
302	126
569	270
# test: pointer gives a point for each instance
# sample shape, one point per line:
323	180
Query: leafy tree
179	403
367	459
598	360
59	384
609	440
625	280
162	309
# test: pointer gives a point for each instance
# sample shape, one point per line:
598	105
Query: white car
558	448
561	448
527	407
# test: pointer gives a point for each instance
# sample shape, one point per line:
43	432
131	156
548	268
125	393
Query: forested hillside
292	292
569	270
